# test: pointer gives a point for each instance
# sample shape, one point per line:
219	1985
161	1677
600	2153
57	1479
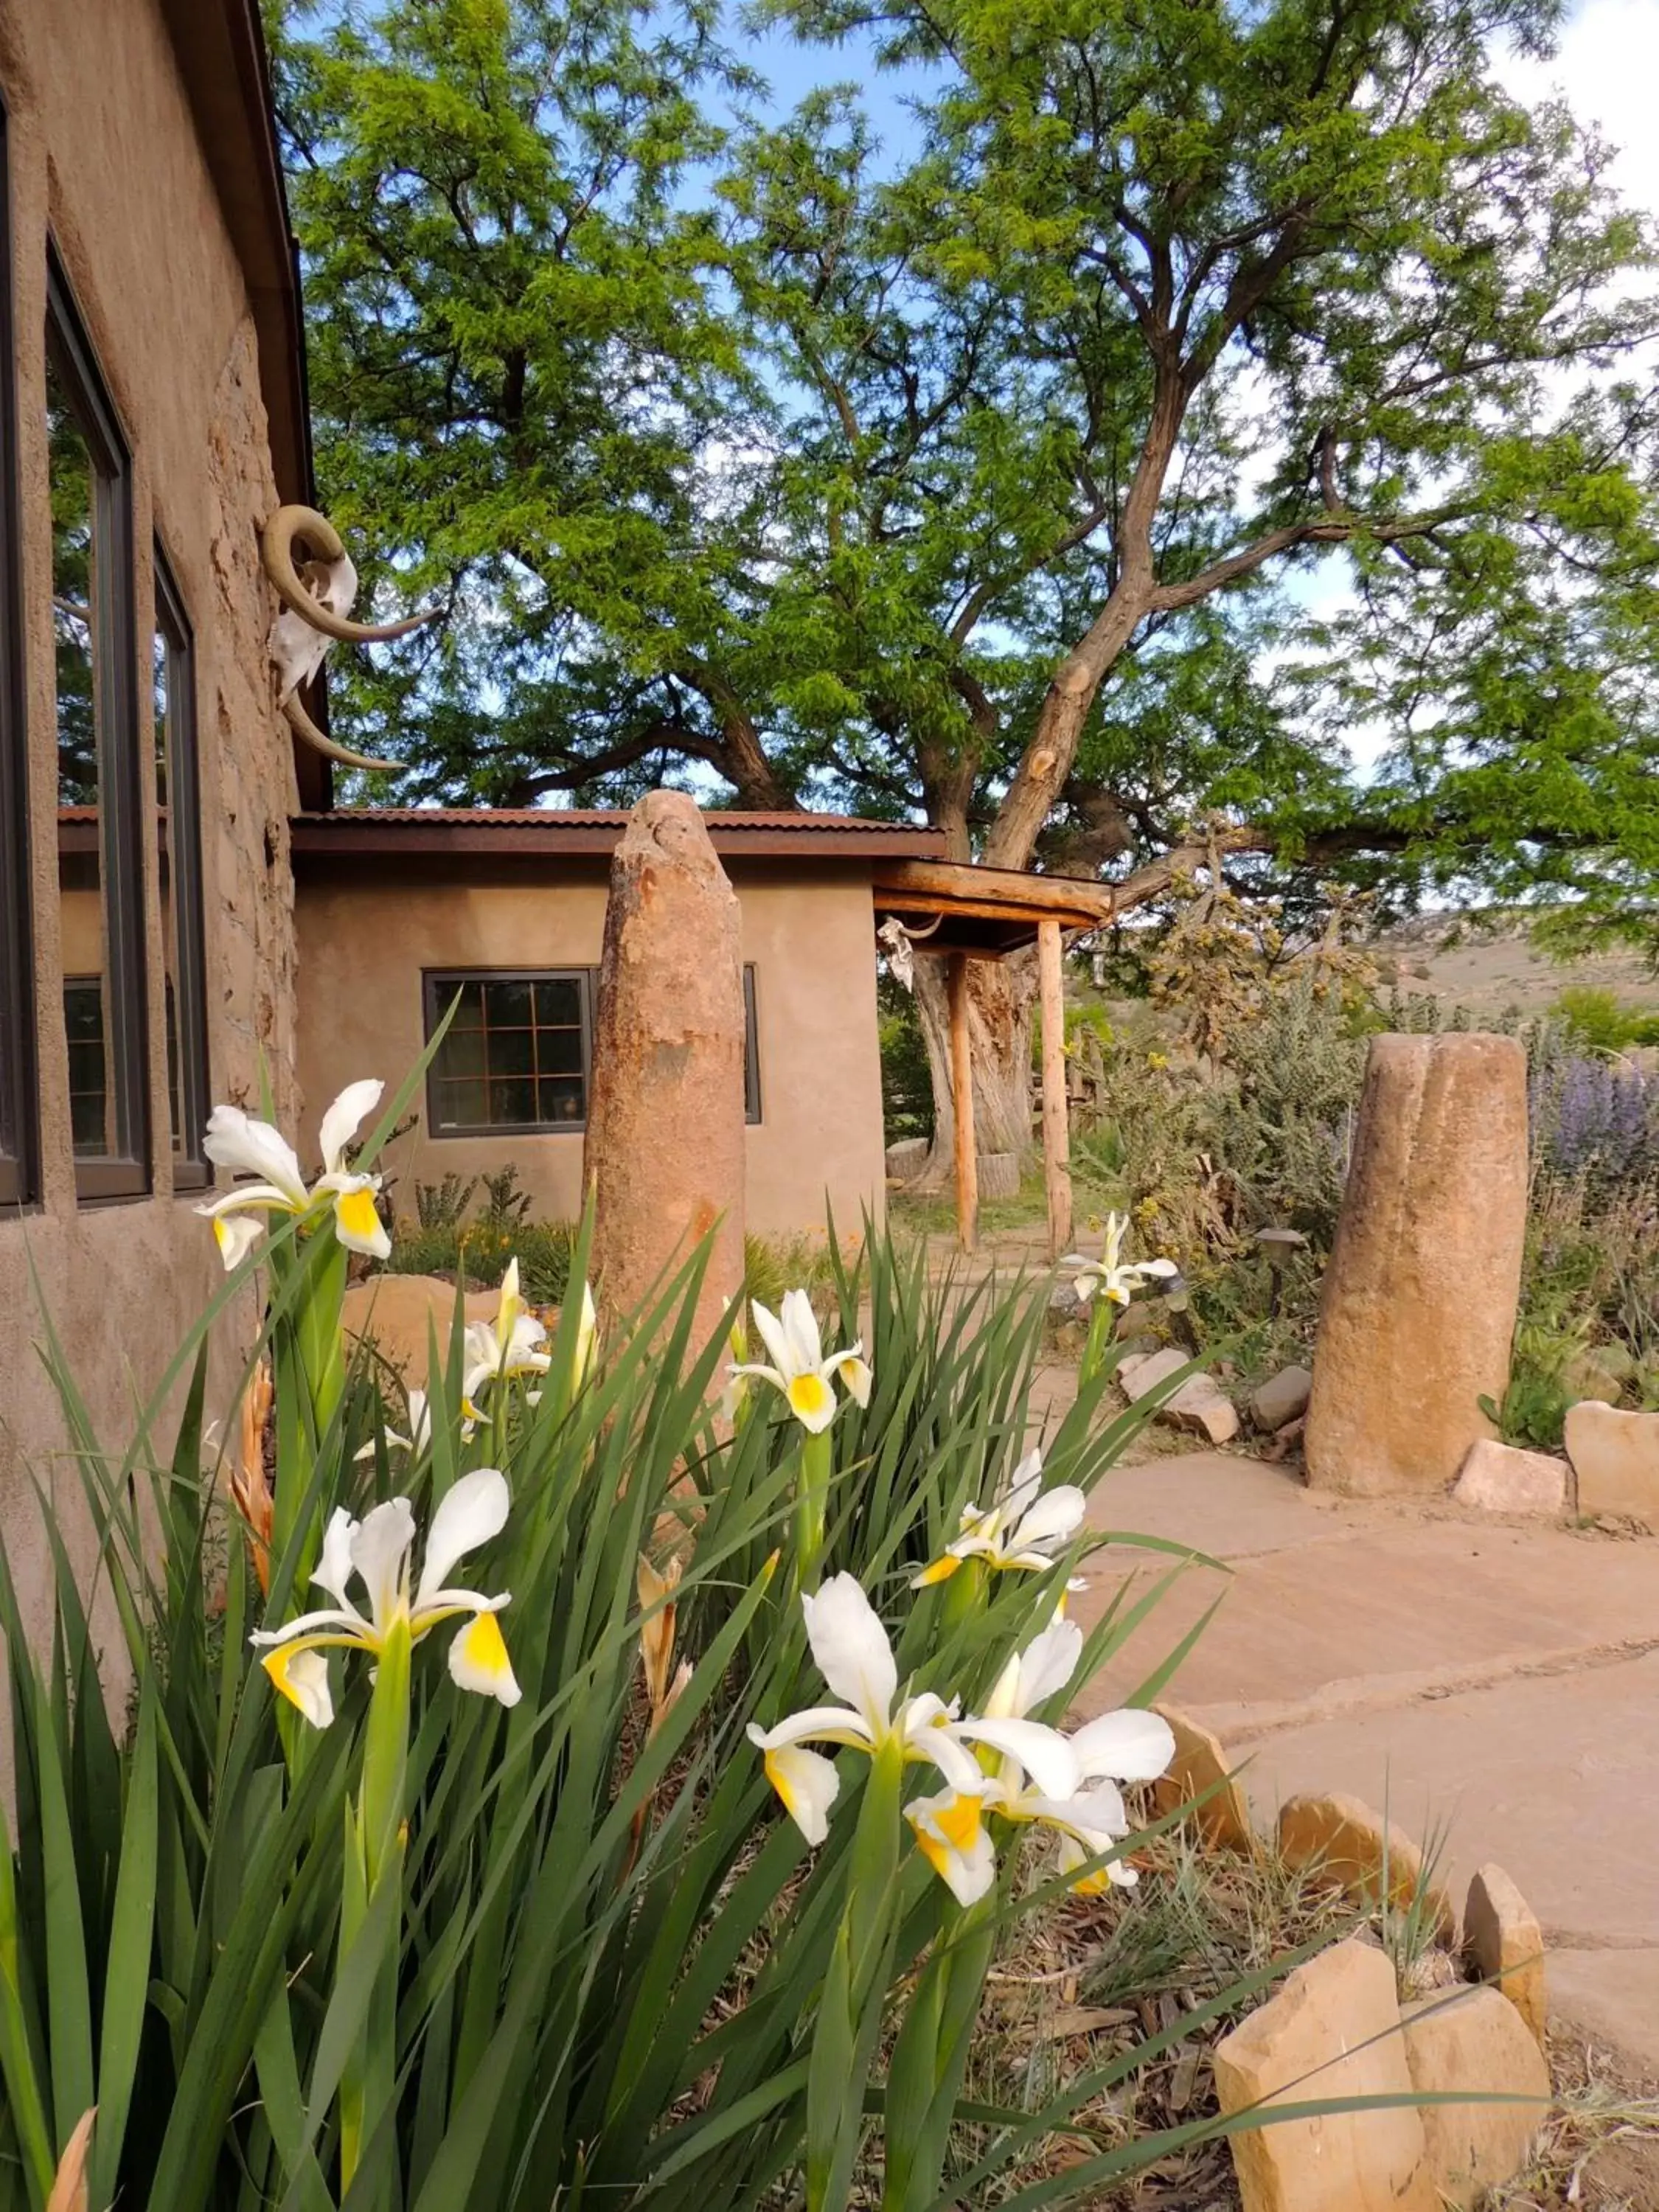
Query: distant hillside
1490	965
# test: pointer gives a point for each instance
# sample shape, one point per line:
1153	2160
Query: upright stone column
1419	1301
665	1143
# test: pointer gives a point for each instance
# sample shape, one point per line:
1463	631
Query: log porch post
962	1084
1056	1131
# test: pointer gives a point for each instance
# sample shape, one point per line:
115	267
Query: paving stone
1615	1457
1199	1765
1502	1478
1504	1944
1368	1855
1333	2031
1473	2042
1281	1398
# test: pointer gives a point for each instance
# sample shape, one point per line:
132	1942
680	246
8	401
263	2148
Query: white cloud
1606	70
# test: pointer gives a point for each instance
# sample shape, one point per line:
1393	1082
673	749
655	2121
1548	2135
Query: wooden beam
1009	889
1056	1130
962	1084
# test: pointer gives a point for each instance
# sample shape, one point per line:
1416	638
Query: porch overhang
984	913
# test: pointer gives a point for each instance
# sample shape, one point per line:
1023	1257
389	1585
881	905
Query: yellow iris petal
355	1211
936	1854
958	1822
810	1395
940	1571
777	1776
478	1661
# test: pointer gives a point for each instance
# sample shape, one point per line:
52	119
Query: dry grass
1599	2151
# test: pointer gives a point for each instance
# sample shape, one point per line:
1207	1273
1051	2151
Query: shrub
1601	1022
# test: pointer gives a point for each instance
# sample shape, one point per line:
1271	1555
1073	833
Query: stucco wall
103	157
364	941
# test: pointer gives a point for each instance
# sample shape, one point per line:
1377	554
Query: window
101	887
179	849
515	1059
17	1149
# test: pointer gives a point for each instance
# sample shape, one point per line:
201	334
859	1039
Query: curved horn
276	555
303	727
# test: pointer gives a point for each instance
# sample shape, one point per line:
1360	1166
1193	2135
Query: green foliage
569	1947
1599	1020
785	455
1535	1405
907	1089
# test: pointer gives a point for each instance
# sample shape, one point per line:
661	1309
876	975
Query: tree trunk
1001	994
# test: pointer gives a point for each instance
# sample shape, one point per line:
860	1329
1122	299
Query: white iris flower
377	1550
801	1368
235	1140
1111	1275
510	1345
856	1660
1026	1528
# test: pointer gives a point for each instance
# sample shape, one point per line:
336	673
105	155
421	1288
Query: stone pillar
664	1152
1420	1300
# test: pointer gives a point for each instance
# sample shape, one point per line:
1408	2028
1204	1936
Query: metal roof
502	831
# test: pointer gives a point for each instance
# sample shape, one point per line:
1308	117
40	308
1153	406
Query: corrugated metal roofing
431	830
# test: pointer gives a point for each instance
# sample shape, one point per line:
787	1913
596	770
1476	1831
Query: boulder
1200	1766
1197	1404
1475	2043
906	1158
1502	1478
664	1153
1598	1372
1370	1856
1281	1398
1333	2031
400	1314
1419	1306
1504	1944
1615	1457
999	1174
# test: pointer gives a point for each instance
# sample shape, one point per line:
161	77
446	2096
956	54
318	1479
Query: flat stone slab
1495	1681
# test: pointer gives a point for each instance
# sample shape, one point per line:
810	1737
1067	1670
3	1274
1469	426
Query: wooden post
1056	1132
962	1084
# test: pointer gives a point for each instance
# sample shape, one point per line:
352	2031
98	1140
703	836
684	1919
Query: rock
1420	1300
1333	2031
1197	1404
1064	1303
400	1314
1501	1479
1615	1457
1473	2042
999	1174
1353	1845
664	1151
1504	1944
906	1158
1281	1398
1199	1765
1592	1374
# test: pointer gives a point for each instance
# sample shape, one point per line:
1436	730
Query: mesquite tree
971	489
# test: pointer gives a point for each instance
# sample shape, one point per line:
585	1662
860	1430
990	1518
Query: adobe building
405	914
153	416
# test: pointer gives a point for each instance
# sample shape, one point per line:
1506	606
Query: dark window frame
125	1172
183	854
438	989
19	1136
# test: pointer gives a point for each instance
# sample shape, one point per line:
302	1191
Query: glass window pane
513	1102
469	1014
561	1098
559	1003
559	1052
512	1051
462	1053
507	1006
462	1105
83	908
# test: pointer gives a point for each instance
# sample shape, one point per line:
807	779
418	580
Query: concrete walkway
1492	1685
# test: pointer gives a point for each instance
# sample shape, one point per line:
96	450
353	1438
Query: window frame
440	985
18	1133
124	1173
182	852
